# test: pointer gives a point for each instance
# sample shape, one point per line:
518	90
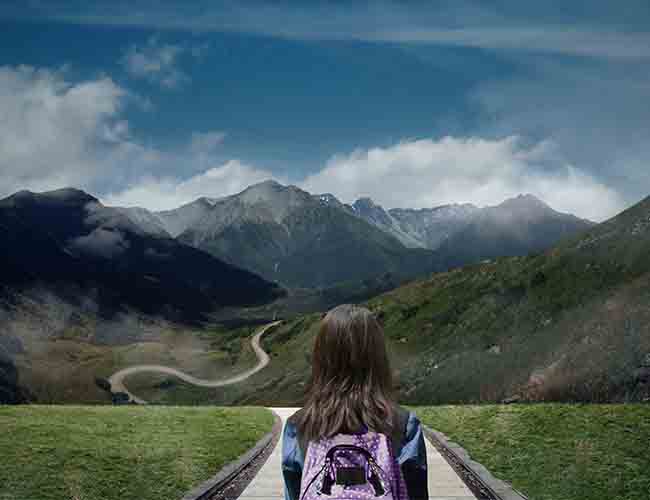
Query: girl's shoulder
293	419
403	415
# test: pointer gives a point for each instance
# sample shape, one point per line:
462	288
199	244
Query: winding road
117	379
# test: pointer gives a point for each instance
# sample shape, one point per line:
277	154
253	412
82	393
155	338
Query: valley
569	324
61	359
519	303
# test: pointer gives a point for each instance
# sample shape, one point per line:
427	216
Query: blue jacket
412	460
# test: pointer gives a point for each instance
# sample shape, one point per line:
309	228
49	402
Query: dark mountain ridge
10	390
67	239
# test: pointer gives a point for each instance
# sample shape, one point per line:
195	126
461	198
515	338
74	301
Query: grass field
553	451
106	453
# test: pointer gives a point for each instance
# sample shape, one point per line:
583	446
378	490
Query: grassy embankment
106	453
556	452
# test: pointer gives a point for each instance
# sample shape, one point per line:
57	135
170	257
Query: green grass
554	451
105	453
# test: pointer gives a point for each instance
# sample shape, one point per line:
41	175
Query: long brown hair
352	382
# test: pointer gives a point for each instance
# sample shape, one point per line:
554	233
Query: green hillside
570	324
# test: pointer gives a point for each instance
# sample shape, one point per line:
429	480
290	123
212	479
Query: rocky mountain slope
177	221
375	214
423	228
517	226
302	240
168	222
66	240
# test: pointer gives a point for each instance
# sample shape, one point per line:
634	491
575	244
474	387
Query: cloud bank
415	174
55	133
168	192
459	23
426	173
102	242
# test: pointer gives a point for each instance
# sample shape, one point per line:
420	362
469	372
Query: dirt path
117	379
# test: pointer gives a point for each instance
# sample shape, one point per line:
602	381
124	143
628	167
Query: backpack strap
302	443
398	436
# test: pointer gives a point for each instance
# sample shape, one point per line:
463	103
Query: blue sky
154	103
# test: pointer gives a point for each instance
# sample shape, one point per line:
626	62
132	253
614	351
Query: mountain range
302	240
186	262
564	317
70	264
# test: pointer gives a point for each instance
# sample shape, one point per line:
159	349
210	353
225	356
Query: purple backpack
352	467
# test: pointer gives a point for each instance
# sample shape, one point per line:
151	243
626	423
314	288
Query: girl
351	390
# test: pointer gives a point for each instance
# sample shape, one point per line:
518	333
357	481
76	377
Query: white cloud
103	242
158	62
168	192
427	173
53	133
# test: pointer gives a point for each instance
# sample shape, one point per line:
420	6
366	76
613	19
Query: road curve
117	379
